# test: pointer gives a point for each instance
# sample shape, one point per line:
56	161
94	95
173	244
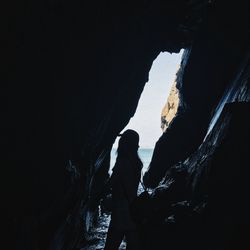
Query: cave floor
98	235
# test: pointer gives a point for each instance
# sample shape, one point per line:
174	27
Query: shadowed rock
75	72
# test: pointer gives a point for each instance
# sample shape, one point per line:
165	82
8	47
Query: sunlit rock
170	109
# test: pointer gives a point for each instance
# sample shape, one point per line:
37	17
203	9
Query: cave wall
75	72
202	200
207	68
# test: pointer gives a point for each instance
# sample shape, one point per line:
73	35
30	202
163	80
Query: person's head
128	143
128	147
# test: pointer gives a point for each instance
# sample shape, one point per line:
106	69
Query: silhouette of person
124	184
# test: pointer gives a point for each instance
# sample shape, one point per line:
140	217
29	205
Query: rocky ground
98	235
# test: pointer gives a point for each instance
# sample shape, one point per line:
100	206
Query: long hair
128	147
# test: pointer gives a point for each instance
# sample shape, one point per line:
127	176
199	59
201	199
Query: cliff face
65	60
171	107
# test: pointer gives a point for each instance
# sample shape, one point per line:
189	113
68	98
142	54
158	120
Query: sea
144	153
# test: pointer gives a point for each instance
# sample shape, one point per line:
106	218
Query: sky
147	119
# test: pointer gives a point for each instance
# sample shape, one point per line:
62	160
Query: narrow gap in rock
156	108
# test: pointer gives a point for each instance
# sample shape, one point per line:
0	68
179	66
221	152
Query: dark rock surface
75	71
216	59
203	200
207	207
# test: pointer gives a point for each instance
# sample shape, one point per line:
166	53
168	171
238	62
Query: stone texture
171	107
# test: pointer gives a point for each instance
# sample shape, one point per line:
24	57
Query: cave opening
149	119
